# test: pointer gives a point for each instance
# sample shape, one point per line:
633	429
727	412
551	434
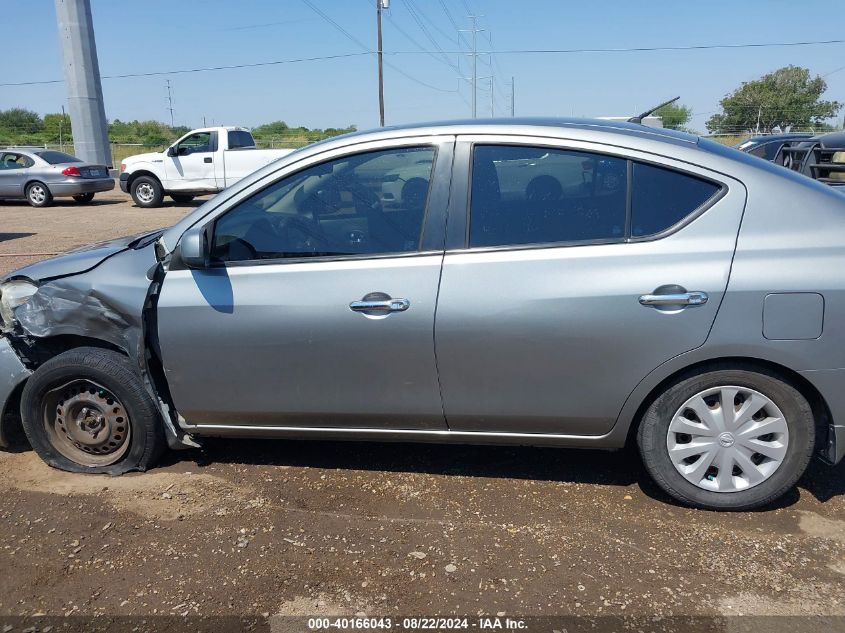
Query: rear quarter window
239	139
58	158
660	198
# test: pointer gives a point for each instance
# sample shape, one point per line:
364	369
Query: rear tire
766	457
181	198
87	411
38	195
84	198
147	192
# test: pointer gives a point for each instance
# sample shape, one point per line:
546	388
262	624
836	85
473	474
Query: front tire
38	195
727	439
147	192
86	410
84	198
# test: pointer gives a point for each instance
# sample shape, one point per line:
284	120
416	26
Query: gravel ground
261	528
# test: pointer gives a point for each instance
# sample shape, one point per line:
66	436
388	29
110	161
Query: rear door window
525	195
15	161
660	198
536	195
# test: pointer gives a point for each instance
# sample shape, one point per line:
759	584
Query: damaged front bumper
13	374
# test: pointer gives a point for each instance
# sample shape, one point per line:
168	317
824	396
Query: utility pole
61	130
513	90
380	4
475	31
492	99
169	102
82	81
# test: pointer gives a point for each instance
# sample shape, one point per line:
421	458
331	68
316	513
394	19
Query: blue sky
162	35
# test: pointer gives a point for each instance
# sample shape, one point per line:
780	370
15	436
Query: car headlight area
12	294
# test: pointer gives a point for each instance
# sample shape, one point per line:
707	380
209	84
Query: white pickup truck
203	161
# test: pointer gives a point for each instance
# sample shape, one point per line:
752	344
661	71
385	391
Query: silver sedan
39	175
553	282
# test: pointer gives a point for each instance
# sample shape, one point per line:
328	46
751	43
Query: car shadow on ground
170	204
6	237
61	202
610	468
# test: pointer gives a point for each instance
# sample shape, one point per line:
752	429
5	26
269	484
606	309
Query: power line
366	48
413	10
538	51
454	23
450	38
295	60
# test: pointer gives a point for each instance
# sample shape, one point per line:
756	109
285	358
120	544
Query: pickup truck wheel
87	410
729	439
181	198
147	192
83	198
38	194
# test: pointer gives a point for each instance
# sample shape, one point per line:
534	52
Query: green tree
56	128
21	121
675	116
786	98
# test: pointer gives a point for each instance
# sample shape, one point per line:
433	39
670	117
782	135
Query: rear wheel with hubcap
87	410
729	439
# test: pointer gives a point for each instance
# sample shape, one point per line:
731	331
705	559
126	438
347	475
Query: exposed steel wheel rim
86	423
38	194
728	439
145	192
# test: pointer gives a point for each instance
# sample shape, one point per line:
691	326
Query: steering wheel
301	235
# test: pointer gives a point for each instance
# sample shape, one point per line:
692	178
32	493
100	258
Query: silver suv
554	282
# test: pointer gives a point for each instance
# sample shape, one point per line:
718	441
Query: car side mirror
171	151
193	247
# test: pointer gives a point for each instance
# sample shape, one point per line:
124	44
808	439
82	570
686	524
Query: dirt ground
264	528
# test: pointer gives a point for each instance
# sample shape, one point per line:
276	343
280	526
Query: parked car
767	146
203	161
821	157
39	175
526	302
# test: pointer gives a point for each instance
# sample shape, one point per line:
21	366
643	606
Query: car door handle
694	298
207	159
380	306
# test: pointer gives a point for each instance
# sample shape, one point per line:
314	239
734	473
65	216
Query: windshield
57	158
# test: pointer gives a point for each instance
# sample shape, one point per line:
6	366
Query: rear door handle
694	298
380	306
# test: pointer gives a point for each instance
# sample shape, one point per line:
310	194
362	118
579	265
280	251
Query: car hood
76	261
149	157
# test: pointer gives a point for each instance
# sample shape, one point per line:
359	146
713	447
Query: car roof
29	151
518	125
833	139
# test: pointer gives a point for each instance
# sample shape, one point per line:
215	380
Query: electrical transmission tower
474	54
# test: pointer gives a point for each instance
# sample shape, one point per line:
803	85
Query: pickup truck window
371	203
239	139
